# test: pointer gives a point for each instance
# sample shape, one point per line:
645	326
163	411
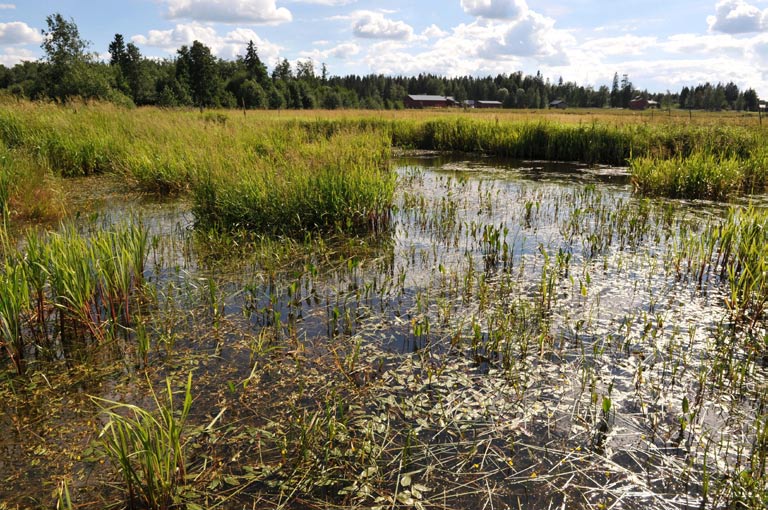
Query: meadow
437	309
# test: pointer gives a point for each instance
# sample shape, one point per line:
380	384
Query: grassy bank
703	174
282	174
28	191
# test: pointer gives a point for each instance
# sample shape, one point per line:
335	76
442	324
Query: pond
522	335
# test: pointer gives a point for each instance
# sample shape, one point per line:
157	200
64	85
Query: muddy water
522	335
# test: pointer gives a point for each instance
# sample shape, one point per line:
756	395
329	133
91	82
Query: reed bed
734	251
28	191
697	176
186	151
341	183
68	293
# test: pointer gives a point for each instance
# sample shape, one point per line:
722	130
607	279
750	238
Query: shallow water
475	341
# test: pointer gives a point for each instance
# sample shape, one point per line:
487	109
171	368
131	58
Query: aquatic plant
172	152
148	448
66	291
14	305
697	176
339	184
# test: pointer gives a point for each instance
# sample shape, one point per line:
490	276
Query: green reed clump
72	142
14	305
27	189
755	171
12	131
93	280
697	176
734	251
149	448
743	259
6	186
593	142
175	151
67	292
293	185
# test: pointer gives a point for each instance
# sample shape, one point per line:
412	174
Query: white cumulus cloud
11	56
228	46
374	25
736	17
433	32
329	3
495	9
533	35
229	11
342	51
17	32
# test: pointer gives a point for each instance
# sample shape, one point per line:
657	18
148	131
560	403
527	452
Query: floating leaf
405	498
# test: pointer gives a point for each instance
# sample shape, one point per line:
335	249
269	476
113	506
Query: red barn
640	103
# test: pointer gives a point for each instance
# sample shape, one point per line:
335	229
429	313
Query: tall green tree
67	58
254	66
615	92
196	67
627	91
282	71
117	54
117	60
751	101
136	74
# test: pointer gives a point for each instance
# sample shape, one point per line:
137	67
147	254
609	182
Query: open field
382	309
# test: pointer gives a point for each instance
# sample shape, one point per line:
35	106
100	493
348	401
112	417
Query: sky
660	45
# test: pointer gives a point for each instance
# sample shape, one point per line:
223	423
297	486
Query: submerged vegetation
280	312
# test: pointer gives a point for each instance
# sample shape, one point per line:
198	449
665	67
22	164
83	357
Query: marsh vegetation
219	311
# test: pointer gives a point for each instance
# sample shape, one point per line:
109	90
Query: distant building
427	101
488	104
558	104
640	103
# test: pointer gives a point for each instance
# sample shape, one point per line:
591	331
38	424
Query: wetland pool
521	335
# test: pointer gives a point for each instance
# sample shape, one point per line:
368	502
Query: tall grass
68	292
339	183
28	190
734	250
14	302
697	176
148	448
242	169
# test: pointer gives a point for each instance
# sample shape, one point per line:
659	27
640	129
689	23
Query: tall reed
67	292
697	176
296	185
179	151
14	305
734	250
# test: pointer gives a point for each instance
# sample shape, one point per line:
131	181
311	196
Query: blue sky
659	45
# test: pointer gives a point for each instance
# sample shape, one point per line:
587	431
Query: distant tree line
195	77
